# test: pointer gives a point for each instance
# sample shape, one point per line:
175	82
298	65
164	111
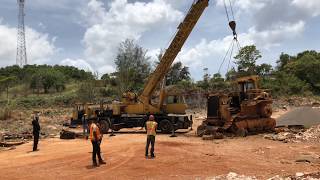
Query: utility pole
21	58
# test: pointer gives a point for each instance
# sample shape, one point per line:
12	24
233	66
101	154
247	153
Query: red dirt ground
177	158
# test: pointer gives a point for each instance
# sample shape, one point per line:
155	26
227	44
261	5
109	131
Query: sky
87	33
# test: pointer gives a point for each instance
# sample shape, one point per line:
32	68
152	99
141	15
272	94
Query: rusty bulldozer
246	110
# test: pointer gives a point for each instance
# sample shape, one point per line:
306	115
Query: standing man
151	135
36	131
96	138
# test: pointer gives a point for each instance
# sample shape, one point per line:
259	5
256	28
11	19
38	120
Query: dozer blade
256	125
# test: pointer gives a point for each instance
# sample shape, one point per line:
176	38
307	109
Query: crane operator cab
175	103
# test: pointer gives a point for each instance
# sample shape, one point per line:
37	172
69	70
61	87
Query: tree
177	73
264	69
218	83
306	67
204	84
133	66
246	60
47	79
6	83
284	59
231	74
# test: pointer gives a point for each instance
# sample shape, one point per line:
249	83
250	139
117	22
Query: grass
21	96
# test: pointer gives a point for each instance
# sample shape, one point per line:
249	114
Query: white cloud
244	5
311	7
215	50
39	46
122	20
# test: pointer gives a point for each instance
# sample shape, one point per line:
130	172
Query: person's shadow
90	167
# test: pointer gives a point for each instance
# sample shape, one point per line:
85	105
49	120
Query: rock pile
233	176
298	176
296	135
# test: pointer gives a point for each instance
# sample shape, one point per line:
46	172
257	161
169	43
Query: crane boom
184	30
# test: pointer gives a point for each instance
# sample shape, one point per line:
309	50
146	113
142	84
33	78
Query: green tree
284	59
218	83
231	74
306	67
264	69
246	60
6	83
177	72
47	79
133	66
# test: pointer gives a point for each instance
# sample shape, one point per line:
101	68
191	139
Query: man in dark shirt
36	131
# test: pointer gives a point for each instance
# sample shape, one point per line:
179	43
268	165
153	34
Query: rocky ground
289	153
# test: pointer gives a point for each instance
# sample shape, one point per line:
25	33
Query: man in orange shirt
151	126
96	138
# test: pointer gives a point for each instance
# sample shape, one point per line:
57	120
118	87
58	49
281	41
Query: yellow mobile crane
169	111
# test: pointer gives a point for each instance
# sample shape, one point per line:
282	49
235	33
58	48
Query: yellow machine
82	109
247	109
169	111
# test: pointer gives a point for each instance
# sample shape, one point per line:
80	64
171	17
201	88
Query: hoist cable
238	45
225	57
230	55
231	10
226	9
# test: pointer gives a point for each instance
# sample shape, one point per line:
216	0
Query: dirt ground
183	157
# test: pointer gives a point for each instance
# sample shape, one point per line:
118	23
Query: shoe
153	156
95	164
102	162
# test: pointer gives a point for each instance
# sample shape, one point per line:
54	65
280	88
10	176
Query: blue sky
86	33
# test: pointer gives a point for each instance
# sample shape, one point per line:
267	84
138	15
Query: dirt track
177	158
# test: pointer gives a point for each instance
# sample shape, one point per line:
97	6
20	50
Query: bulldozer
245	110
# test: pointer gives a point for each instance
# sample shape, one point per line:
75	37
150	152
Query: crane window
174	100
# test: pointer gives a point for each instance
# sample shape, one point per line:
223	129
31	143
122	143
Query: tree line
41	77
293	75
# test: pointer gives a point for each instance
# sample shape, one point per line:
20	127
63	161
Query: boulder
64	134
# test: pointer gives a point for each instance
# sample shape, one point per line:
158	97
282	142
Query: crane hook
233	26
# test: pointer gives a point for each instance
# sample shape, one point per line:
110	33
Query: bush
5	113
285	84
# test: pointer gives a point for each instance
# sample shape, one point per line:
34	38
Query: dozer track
239	127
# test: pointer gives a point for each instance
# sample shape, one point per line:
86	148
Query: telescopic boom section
184	30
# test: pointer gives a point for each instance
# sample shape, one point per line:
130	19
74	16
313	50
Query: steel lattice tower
21	39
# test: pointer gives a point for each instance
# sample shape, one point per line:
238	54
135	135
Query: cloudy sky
86	33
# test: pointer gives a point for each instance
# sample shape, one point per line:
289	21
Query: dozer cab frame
248	109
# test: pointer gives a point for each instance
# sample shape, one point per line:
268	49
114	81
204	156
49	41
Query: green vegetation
45	86
293	75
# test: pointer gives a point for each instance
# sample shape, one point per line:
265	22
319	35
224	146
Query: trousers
35	141
96	151
150	140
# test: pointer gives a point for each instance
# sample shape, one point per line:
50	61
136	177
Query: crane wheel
166	126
